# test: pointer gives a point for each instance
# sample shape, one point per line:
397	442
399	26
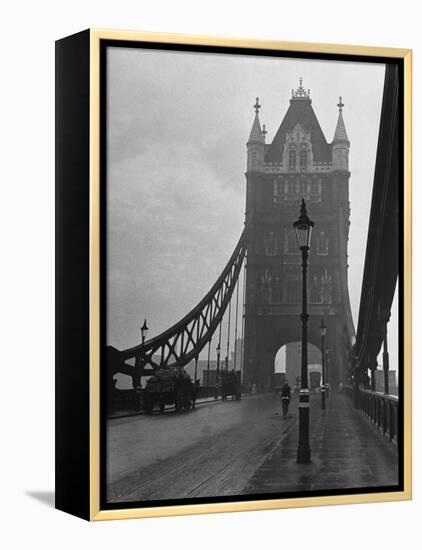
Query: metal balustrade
381	409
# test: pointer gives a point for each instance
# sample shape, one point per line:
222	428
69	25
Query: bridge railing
381	409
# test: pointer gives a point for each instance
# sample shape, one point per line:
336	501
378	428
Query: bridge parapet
381	409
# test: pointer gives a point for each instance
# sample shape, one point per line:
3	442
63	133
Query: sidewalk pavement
347	452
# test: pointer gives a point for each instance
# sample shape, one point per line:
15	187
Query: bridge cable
219	333
235	327
208	364
228	334
217	372
243	319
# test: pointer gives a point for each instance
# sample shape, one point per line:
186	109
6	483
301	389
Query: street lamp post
218	370
385	355
323	330
303	227
139	364
144	331
327	375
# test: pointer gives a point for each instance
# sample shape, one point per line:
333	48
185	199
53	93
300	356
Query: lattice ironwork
183	342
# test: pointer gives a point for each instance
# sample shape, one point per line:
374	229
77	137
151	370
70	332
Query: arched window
303	158
292	158
270	244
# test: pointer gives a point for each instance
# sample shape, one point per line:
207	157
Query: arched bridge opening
287	366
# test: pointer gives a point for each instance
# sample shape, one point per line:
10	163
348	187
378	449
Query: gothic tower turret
341	143
256	143
298	164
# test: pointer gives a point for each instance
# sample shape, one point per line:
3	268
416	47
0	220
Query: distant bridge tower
298	163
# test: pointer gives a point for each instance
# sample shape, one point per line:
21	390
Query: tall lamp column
217	374
323	330
303	227
139	365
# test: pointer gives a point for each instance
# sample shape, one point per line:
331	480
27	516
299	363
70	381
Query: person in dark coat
285	398
285	390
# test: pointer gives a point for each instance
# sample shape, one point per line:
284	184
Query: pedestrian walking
285	398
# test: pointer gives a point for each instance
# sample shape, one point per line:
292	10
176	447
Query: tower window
291	243
316	290
326	288
303	158
315	195
270	245
292	158
292	187
322	244
276	296
266	287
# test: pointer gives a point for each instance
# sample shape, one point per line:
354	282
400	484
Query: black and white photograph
210	274
252	345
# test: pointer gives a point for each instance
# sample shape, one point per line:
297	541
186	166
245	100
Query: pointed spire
340	134
256	131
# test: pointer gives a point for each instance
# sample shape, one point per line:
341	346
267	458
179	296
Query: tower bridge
299	164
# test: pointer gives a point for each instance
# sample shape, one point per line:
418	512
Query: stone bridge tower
298	163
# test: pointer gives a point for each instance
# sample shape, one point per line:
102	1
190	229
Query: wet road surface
211	451
245	447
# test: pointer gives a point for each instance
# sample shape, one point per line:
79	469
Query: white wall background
27	275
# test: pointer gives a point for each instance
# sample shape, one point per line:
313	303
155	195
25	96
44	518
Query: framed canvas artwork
233	276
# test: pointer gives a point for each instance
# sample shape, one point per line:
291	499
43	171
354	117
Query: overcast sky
177	130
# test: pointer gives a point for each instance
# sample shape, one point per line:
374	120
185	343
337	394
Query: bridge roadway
244	447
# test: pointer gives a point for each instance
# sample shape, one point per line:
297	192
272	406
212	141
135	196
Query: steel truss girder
184	341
